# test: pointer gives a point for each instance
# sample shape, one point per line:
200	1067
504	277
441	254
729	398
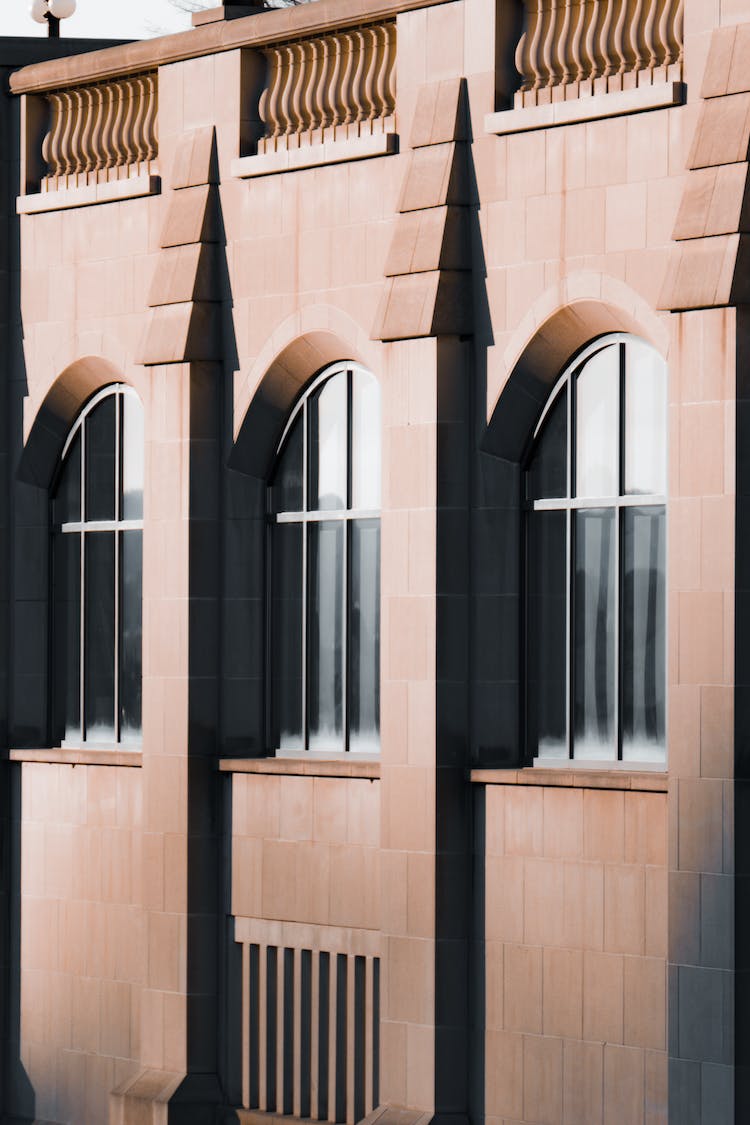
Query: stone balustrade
571	48
333	87
100	133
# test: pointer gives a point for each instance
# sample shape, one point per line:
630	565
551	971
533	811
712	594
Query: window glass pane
131	585
645	420
325	635
364	637
99	429
99	654
132	458
286	625
66	506
328	445
67	629
594	634
365	442
547	654
547	475
643	634
286	489
597	412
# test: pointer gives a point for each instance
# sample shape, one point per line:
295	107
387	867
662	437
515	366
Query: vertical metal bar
569	569
314	1033
280	1036
297	1033
245	1009
618	547
304	527
82	607
118	547
263	1027
351	964
333	990
369	1045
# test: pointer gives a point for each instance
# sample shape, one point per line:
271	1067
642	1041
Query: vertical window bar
82	639
619	575
570	389
345	616
118	548
305	533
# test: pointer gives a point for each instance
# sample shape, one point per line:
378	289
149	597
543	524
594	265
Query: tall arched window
595	549
324	572
97	530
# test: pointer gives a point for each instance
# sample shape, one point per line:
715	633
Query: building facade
372	493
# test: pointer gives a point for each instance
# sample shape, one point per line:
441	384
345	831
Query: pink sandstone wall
576	971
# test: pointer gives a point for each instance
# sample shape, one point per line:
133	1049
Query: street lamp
51	12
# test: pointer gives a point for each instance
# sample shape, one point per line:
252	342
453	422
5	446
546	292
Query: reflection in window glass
328	446
547	610
595	561
97	509
645	421
325	570
597	409
593	633
643	649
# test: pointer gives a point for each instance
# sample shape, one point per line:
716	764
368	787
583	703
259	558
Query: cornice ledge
274	26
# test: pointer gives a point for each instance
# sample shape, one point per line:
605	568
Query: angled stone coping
312	156
659	96
633	780
113	192
303	767
64	756
277	25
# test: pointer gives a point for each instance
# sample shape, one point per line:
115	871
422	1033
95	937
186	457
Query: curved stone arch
563	321
301	347
48	426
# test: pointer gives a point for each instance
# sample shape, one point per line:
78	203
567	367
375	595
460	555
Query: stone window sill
303	767
68	756
313	156
112	192
634	780
590	108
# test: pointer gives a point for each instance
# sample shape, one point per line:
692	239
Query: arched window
97	531
595	550
324	502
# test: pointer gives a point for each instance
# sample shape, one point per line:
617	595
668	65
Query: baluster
390	79
95	141
76	155
51	143
297	67
563	58
263	101
634	47
521	61
605	46
66	163
381	103
151	126
576	48
535	59
649	33
320	93
140	116
118	131
87	123
128	138
671	43
371	73
678	32
334	90
548	48
287	77
358	99
347	41
618	38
